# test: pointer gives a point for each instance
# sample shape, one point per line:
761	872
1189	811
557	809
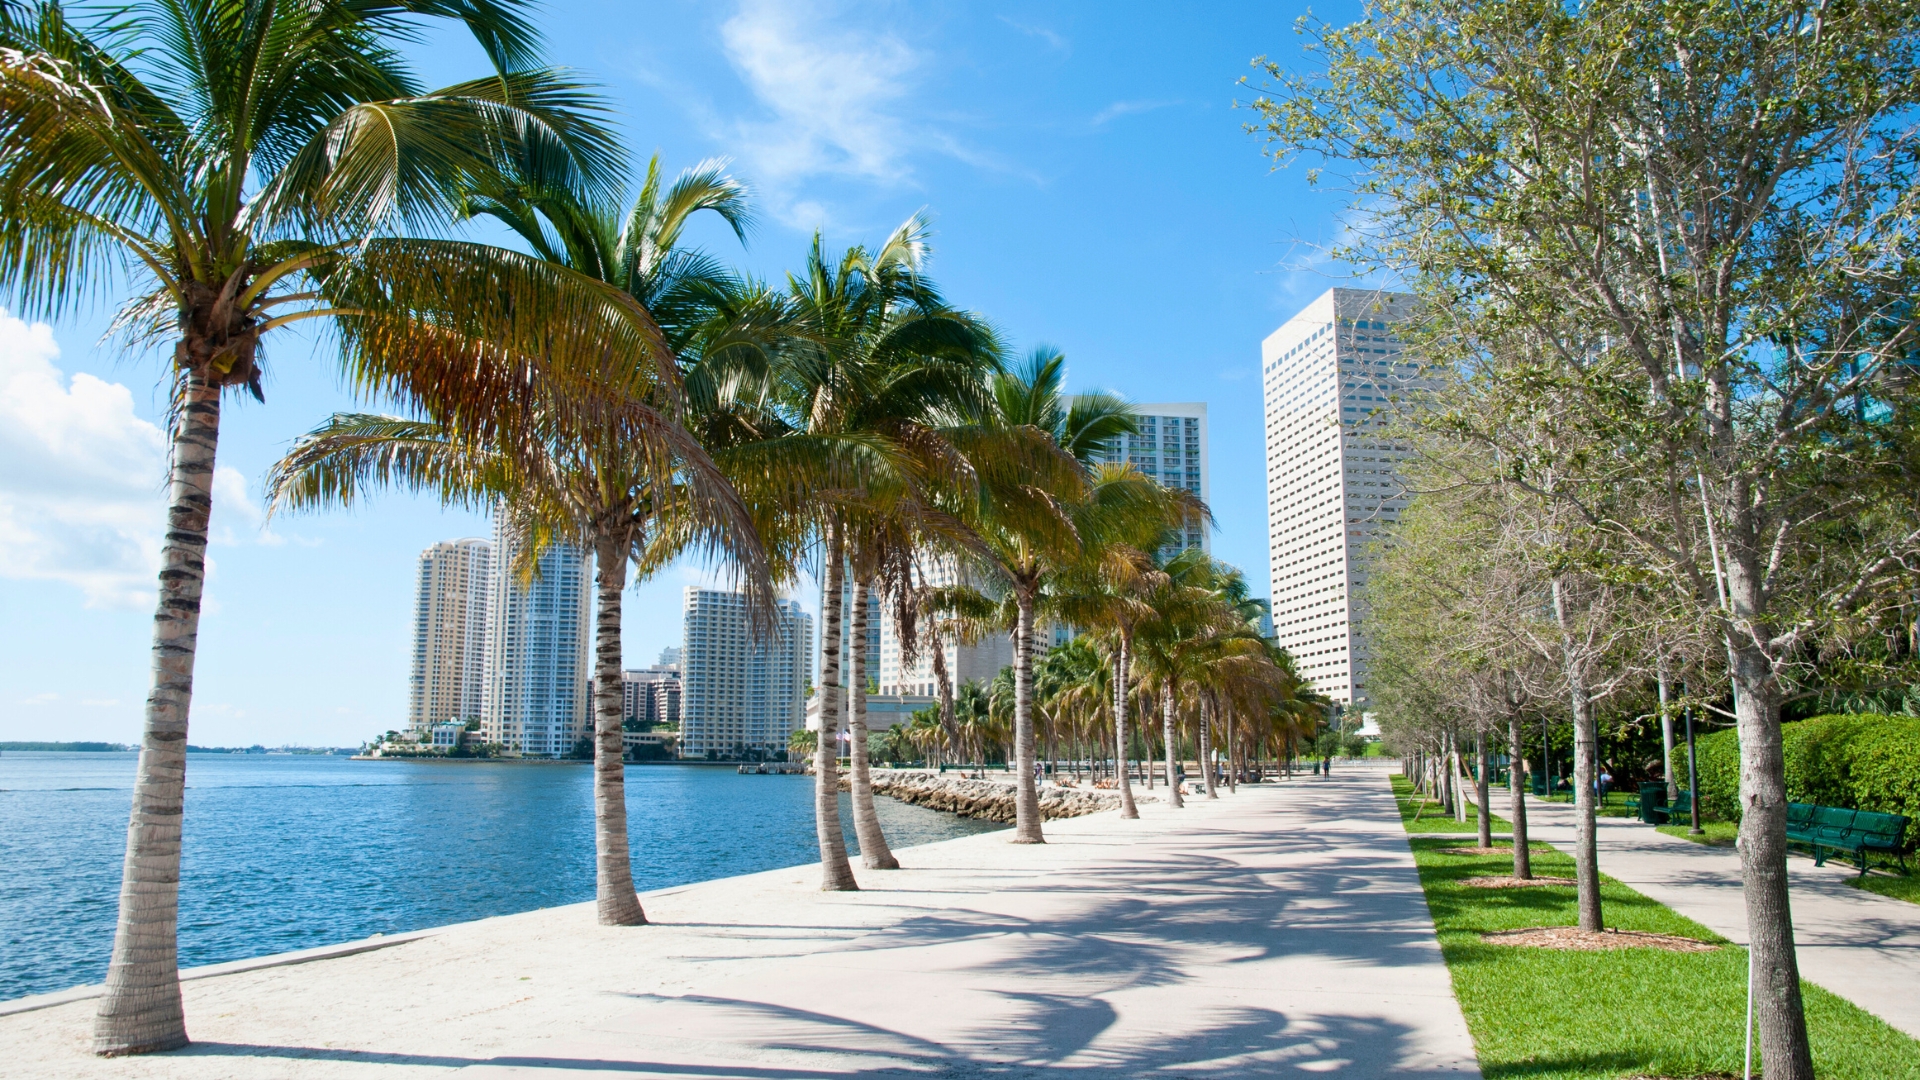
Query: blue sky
1091	188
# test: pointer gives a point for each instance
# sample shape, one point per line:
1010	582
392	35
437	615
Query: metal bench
1859	833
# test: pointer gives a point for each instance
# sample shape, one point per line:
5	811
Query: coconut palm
1048	517
611	484
879	359
227	156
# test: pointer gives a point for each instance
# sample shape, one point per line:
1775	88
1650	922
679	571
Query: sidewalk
1276	930
1860	945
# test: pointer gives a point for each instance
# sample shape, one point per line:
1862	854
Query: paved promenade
1280	931
1862	946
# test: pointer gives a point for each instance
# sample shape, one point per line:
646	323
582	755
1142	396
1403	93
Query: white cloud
832	93
1054	39
82	497
1127	108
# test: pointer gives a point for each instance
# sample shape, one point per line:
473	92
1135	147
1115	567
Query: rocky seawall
986	800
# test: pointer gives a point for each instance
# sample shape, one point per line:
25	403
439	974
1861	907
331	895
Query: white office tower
537	671
875	613
966	663
740	697
1329	373
448	679
1171	447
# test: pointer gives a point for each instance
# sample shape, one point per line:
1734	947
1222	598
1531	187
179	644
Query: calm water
290	852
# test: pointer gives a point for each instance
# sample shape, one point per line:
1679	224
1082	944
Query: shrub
1856	761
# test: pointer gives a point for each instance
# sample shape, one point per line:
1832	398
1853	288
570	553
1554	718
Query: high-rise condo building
1171	447
875	611
651	695
741	697
537	674
448	679
1330	373
966	663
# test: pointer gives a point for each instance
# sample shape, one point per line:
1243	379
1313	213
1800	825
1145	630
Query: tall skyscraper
1171	447
449	633
740	698
978	662
1329	373
537	671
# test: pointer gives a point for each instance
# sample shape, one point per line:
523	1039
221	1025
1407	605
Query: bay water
285	852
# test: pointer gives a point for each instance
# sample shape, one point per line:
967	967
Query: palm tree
1051	514
878	360
605	486
228	155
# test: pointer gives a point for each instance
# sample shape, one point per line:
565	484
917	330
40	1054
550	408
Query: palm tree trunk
615	902
140	1011
1026	799
836	874
874	852
1517	810
1586	854
1166	731
1127	809
945	685
1206	751
1233	762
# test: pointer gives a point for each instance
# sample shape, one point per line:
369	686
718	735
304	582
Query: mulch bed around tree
1514	882
1576	939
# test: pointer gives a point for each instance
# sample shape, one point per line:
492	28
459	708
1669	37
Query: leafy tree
1680	231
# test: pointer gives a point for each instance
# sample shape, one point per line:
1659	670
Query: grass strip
1433	819
1904	887
1714	833
1550	1015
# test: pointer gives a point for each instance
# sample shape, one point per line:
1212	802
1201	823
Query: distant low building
651	695
883	710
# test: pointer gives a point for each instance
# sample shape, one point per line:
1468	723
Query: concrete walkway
1280	931
1860	945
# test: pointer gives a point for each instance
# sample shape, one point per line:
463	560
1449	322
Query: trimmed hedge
1857	761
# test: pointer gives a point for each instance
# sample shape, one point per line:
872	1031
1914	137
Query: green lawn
1549	1015
1905	887
1433	820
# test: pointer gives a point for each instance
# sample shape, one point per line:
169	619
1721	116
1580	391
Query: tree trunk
1777	1005
836	874
1166	729
1026	798
1666	730
1517	810
1586	855
1457	776
1127	809
874	852
1206	752
1480	788
944	684
140	1010
615	902
1233	761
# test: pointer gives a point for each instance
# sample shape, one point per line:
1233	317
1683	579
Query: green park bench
1858	833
